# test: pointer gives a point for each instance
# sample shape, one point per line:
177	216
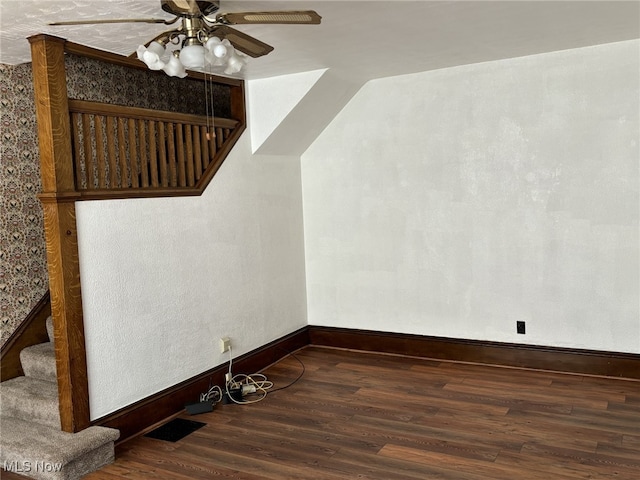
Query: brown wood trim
32	331
220	157
55	197
98	108
138	417
238	107
58	180
139	192
569	360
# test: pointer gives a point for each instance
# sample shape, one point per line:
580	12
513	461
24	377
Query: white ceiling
360	38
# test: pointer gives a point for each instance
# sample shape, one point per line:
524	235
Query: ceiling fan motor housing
190	8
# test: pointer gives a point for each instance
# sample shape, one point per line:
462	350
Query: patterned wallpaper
97	81
23	269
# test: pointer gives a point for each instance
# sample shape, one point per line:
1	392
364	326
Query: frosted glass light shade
152	55
220	51
235	62
174	68
192	56
217	47
156	48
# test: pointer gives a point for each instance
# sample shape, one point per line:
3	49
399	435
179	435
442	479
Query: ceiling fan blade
114	20
295	17
241	41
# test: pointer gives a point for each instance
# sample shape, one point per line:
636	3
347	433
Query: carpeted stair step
49	324
31	399
39	361
46	453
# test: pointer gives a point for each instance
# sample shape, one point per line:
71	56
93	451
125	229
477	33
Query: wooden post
58	199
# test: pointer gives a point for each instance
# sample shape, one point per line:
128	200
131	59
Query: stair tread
23	439
49	324
41	349
32	387
31	398
39	361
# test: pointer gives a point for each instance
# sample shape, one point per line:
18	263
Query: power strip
199	407
232	395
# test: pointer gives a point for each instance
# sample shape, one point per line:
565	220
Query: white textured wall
456	202
164	279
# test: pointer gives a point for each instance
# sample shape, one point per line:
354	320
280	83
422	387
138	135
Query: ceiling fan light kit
194	56
204	42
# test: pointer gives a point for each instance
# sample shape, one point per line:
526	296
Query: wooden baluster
205	147
144	166
212	144
101	163
77	152
111	150
122	153
171	144
160	153
196	152
88	152
162	148
153	157
182	177
219	137
189	160
133	156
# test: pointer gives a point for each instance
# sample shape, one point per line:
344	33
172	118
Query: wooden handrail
98	108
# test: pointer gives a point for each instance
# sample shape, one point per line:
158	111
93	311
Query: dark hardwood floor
371	416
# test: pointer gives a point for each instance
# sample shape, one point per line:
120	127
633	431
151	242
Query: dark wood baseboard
568	360
138	417
32	330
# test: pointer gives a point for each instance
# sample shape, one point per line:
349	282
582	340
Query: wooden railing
125	148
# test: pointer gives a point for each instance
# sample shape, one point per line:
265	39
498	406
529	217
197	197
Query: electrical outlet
520	327
225	344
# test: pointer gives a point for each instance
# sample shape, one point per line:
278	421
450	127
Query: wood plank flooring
372	416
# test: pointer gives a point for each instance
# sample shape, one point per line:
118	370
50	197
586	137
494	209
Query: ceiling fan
204	37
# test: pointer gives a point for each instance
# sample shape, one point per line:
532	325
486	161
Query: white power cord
213	395
256	384
249	385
